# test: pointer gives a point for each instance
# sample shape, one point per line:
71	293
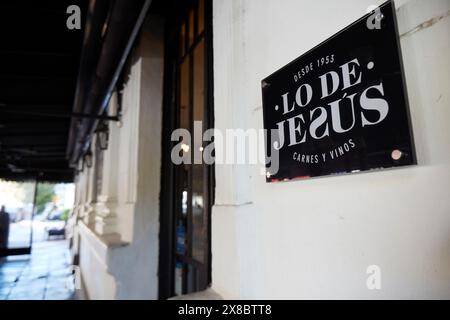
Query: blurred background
53	206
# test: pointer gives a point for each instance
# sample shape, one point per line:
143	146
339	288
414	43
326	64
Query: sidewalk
46	274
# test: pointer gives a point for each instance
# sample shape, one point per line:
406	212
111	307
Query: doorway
186	189
32	212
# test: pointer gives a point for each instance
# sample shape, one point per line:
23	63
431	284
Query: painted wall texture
302	239
119	235
316	238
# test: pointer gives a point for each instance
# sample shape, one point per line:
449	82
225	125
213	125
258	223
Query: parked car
55	227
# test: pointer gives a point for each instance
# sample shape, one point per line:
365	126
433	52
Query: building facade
146	228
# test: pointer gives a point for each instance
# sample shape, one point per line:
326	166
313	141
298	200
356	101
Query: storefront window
191	96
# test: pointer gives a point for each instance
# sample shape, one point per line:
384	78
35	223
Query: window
185	259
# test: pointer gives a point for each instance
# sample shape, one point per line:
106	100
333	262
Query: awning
39	59
111	29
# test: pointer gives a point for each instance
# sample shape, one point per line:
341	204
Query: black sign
342	106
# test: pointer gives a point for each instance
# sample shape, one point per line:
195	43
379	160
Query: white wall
135	267
315	238
119	253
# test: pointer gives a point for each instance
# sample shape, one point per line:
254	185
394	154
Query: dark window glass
191	228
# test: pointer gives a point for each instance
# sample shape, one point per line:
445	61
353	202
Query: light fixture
103	135
396	154
185	147
80	166
88	158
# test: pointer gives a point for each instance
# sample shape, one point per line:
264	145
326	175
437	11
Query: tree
45	194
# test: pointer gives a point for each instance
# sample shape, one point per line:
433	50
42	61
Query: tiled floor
45	274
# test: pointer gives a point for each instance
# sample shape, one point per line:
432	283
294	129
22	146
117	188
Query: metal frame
62	115
117	43
168	202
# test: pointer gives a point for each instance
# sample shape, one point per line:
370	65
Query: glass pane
199	81
199	232
191	279
182	39
184	106
183	207
182	179
16	201
181	228
201	15
191	27
184	94
179	278
199	100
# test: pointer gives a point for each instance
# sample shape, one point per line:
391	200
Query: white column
107	202
89	204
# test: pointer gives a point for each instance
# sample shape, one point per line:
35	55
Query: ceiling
39	59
